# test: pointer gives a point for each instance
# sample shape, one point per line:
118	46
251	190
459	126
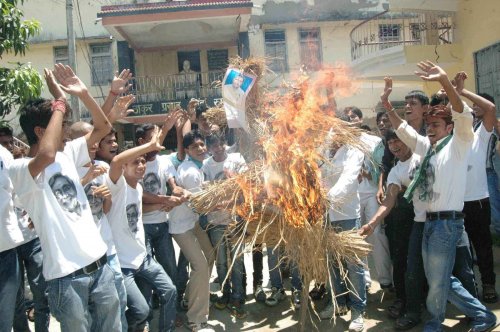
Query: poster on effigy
235	88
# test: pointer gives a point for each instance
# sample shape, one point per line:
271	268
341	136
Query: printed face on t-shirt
64	190
132	217
151	183
95	202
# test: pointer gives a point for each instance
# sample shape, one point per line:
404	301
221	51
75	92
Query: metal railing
177	86
390	29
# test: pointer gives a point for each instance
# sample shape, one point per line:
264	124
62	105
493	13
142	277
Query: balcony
396	41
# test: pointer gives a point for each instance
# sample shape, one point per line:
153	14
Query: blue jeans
114	264
182	276
73	299
30	258
273	262
439	246
160	246
355	273
494	191
463	268
138	308
222	243
9	284
415	282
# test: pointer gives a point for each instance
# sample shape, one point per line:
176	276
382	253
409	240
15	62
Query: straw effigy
280	198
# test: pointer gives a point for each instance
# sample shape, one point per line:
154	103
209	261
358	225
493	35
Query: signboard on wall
162	107
217	59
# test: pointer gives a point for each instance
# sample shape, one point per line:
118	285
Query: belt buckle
90	268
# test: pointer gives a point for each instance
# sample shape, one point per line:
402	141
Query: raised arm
116	165
120	108
489	117
120	85
71	84
51	138
182	127
391	112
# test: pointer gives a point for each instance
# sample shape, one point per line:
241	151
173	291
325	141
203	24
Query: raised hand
384	96
156	140
459	81
101	191
93	172
120	109
172	118
68	81
430	71
54	88
120	84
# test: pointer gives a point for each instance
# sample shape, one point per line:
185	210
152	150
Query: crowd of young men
93	229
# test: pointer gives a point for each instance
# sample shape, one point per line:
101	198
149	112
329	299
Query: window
416	31
389	35
102	64
61	55
275	45
310	48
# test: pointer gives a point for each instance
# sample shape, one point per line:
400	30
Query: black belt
444	215
91	268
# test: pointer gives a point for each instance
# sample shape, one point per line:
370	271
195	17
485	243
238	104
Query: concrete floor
283	318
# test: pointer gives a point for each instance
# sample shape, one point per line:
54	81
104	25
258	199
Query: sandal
406	322
395	310
489	294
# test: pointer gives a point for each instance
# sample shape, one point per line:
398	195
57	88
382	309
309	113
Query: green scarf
419	177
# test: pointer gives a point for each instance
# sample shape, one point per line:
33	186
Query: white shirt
447	179
370	141
58	207
155	180
216	171
182	218
340	178
125	219
401	175
477	184
10	234
96	206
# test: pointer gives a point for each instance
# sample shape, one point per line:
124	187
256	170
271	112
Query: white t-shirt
155	180
340	178
125	219
401	175
96	206
23	219
371	141
10	234
182	218
216	171
446	178
59	209
477	184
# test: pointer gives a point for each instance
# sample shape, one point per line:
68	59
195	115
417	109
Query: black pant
257	259
477	225
399	225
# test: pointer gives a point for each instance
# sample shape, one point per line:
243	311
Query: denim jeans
355	274
463	268
439	245
182	275
160	246
221	243
9	284
415	282
30	259
273	261
73	299
257	259
494	191
114	264
138	308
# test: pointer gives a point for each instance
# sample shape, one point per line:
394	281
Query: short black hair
390	134
200	109
5	130
418	94
142	130
356	111
366	127
214	139
438	100
487	97
379	115
36	113
190	137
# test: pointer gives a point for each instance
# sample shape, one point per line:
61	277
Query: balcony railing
177	87
390	29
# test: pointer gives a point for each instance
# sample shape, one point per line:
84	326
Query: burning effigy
279	199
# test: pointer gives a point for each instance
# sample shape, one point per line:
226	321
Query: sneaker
277	295
357	323
296	296
489	294
183	305
237	309
259	294
222	302
199	327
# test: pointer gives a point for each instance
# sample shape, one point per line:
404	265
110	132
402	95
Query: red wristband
58	105
113	93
